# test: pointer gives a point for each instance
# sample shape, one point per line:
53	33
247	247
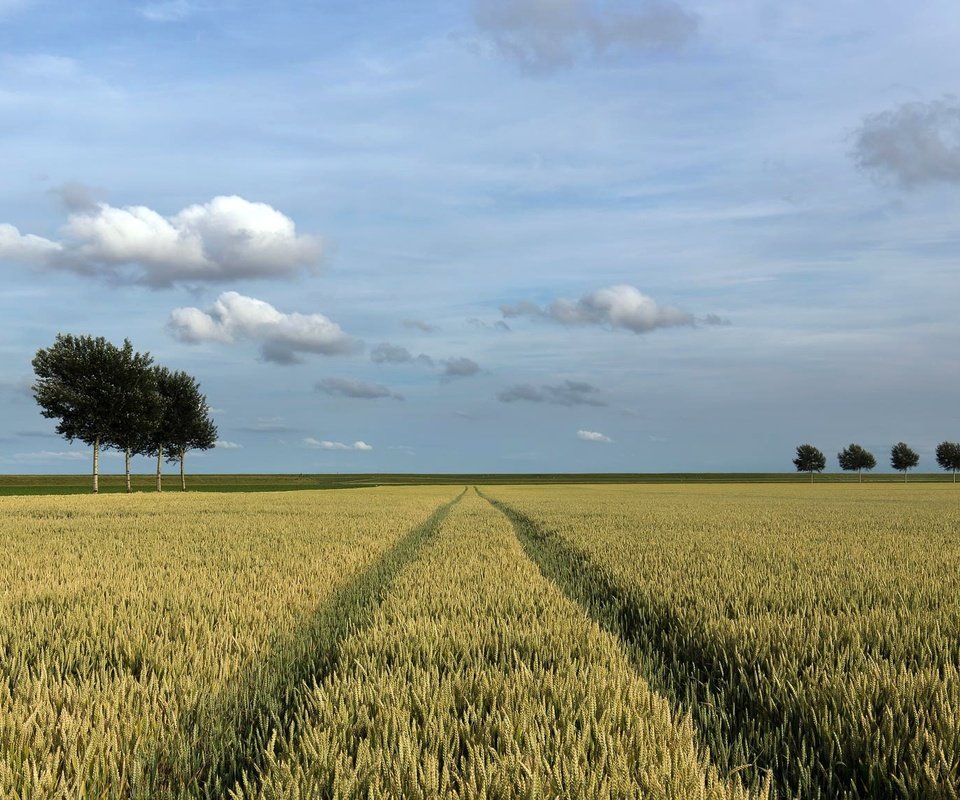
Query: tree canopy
809	459
948	457
855	457
903	458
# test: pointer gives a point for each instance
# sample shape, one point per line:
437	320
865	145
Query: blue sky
538	235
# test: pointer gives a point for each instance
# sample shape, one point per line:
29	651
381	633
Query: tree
73	385
809	459
137	406
856	458
185	424
948	457
902	458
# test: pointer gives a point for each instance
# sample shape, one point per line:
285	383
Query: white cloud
225	445
228	238
51	455
26	248
324	444
593	436
280	336
543	35
913	144
352	387
621	306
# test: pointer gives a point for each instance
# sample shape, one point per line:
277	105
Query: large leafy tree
74	385
948	457
136	408
855	457
902	458
185	423
809	459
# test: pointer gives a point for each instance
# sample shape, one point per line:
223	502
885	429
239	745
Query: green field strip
820	732
476	679
262	703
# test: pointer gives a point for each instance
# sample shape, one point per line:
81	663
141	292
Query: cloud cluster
624	307
593	436
222	444
386	353
228	238
480	324
912	144
281	336
324	444
568	393
544	35
354	388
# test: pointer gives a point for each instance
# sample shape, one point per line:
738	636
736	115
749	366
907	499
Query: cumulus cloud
386	353
228	238
544	35
281	336
624	307
593	436
459	368
420	325
225	445
351	387
568	393
324	444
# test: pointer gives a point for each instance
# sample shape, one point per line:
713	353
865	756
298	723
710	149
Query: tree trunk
859	476
126	467
183	480
904	476
159	466
811	476
96	466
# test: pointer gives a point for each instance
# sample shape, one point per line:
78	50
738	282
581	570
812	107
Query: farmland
607	641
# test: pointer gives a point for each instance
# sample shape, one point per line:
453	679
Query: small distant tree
186	424
902	458
856	458
948	457
136	406
73	386
809	459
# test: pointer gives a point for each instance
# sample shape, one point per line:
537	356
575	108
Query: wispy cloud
594	436
282	337
481	324
324	444
386	353
420	325
168	11
226	239
624	307
225	445
568	393
269	425
544	35
352	387
912	144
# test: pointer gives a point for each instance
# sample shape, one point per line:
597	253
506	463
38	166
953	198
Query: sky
492	235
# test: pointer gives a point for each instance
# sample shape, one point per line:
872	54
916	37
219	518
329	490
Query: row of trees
113	397
854	457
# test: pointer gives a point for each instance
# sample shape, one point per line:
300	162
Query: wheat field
451	642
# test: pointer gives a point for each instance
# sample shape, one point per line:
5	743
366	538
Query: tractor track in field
651	640
263	702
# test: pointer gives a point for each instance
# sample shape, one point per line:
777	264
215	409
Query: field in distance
80	484
720	641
